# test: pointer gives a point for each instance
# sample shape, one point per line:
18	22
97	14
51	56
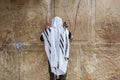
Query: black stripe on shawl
49	51
61	37
47	39
61	43
61	49
58	65
49	29
46	31
66	47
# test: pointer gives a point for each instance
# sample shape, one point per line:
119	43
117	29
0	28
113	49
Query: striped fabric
47	43
57	46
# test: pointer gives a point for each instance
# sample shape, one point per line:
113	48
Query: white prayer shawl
56	43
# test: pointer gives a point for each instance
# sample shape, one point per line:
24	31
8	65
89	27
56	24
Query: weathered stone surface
5	23
74	66
101	62
34	65
107	21
29	17
29	64
9	65
94	52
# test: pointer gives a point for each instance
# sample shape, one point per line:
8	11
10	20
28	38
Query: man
56	40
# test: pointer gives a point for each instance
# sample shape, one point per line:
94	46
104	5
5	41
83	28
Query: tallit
56	43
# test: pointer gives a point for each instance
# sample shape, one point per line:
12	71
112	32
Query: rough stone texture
107	21
102	61
8	65
95	50
76	13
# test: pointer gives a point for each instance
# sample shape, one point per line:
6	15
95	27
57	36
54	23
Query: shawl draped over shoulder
56	43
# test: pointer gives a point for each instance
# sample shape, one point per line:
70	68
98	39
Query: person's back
58	51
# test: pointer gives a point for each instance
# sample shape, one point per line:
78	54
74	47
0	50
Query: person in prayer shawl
56	41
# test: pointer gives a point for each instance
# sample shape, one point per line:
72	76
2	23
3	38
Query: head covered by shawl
57	46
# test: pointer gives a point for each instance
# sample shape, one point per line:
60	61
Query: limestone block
9	65
6	32
107	21
6	36
74	67
28	19
5	15
34	65
101	62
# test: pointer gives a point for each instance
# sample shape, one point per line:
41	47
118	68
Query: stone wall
94	53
